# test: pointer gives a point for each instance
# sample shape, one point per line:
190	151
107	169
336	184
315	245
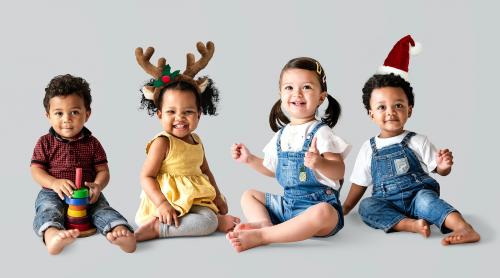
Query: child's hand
94	190
444	159
167	214
63	187
240	153
221	204
312	156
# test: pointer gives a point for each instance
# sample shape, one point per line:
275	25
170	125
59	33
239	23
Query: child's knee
249	194
424	200
324	213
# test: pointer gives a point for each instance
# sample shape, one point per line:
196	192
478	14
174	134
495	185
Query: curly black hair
67	84
206	101
386	80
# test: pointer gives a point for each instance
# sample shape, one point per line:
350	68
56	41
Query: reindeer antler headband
162	75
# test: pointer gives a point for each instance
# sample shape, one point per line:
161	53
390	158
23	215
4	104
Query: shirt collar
83	134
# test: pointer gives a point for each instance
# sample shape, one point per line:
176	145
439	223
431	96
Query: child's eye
307	87
74	113
399	106
288	88
170	112
188	113
381	107
58	114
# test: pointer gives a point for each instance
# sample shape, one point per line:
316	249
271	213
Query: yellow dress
180	179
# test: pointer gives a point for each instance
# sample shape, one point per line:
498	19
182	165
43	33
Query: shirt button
329	192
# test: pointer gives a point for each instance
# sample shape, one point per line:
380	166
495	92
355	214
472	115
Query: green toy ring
80	193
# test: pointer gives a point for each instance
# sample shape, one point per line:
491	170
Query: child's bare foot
122	237
463	235
56	239
227	222
252	225
245	239
415	226
149	230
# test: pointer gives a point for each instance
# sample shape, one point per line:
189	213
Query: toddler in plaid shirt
67	146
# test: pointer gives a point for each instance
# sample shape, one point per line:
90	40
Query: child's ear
370	114
88	112
158	113
322	97
410	110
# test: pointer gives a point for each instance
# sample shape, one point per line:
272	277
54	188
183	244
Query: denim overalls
401	189
301	188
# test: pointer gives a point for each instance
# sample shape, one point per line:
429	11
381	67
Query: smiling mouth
180	126
297	103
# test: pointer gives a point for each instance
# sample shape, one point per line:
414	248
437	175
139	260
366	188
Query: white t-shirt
292	139
424	150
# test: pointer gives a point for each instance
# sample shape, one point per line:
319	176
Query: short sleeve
329	142
361	173
429	152
271	154
99	153
40	156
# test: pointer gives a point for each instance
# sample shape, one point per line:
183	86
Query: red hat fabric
399	58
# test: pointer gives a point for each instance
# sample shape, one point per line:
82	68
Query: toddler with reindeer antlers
179	194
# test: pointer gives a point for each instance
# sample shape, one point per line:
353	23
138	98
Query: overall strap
310	136
373	145
278	139
407	138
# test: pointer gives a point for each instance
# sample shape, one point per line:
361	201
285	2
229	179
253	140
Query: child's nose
66	118
298	92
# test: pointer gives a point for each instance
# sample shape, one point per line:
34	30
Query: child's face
390	110
67	115
301	94
179	114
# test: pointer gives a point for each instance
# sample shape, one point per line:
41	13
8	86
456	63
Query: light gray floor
455	81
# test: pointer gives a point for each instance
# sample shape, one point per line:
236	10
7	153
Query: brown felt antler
143	60
192	67
157	72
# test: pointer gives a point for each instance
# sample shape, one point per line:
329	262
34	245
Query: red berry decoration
165	79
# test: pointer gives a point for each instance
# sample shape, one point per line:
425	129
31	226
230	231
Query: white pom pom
415	50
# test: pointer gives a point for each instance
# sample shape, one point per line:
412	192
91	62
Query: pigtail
277	119
209	99
332	112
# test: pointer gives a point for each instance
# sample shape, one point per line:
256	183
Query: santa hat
398	59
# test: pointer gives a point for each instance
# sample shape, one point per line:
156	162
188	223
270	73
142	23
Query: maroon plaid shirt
59	157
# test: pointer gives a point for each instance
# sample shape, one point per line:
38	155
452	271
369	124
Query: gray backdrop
454	78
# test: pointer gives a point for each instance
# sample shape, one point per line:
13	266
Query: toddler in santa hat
397	163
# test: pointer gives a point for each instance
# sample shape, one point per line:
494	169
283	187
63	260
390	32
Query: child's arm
355	194
329	164
219	201
156	154
60	186
240	153
100	182
444	160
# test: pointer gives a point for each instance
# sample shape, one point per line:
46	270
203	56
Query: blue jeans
380	213
51	211
284	208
